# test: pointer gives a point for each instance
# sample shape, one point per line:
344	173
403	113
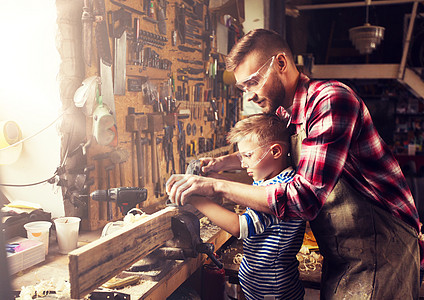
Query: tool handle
208	249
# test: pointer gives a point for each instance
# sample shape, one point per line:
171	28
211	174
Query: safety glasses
256	81
246	157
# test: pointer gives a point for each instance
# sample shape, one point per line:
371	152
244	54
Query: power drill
125	197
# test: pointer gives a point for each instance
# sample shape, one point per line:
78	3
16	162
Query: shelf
419	115
152	73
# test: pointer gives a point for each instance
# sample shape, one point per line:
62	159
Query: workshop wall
156	97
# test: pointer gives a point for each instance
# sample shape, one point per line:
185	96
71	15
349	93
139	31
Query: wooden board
93	264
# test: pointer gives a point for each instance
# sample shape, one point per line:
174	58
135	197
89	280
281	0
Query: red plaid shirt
341	140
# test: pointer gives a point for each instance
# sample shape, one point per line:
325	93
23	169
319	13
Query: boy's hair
260	128
265	42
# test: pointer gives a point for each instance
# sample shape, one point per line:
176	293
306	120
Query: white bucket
67	229
39	230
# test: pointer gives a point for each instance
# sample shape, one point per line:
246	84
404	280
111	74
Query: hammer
155	124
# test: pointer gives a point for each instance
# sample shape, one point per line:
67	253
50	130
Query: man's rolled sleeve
275	198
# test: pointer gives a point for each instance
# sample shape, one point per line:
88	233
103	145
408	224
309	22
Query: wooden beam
414	82
371	71
351	4
93	264
363	71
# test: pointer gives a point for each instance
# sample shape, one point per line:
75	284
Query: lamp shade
366	38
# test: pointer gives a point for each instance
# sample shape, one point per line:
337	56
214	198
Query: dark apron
368	253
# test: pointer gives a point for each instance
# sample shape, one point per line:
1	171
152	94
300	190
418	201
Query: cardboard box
29	253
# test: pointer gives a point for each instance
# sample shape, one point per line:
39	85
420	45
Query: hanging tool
87	30
103	48
190	70
103	125
137	123
194	62
133	10
188	49
155	124
119	22
119	156
168	148
126	198
180	21
137	44
186	78
161	21
108	170
181	143
99	158
102	37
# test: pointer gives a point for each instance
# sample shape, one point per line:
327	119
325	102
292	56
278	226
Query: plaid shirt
341	141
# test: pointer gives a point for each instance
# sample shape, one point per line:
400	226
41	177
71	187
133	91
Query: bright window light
29	96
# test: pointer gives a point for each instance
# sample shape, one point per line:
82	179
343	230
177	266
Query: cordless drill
125	197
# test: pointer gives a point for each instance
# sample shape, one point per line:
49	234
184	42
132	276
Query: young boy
269	266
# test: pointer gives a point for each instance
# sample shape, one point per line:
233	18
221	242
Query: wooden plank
93	264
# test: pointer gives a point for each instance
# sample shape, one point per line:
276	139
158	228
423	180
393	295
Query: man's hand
180	187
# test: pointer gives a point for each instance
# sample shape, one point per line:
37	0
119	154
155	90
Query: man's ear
281	60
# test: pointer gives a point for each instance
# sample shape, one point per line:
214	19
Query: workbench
56	266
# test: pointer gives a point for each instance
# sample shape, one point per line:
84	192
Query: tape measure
10	133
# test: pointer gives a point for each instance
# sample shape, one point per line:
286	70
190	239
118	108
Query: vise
186	242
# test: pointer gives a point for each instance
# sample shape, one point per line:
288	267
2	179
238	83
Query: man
347	183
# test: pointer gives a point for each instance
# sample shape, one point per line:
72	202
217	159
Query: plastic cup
39	230
67	229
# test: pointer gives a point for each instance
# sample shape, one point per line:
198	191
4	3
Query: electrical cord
35	134
51	179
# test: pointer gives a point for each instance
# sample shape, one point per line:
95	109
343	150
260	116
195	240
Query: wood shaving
204	221
61	289
131	218
237	258
309	261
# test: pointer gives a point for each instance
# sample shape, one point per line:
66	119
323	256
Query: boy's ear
277	150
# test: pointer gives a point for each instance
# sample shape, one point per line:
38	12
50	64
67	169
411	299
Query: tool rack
173	78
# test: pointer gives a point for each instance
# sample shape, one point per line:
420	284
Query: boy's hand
208	164
222	163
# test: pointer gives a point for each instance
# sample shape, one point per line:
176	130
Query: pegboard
173	103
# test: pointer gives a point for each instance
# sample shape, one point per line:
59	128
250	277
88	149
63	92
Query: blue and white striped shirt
269	266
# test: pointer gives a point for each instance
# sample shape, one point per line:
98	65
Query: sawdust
208	230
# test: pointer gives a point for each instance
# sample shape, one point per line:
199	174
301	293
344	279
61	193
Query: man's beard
275	98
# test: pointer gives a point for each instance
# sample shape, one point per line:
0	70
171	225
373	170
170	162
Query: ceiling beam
353	4
371	71
362	71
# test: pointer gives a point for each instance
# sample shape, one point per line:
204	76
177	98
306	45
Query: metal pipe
407	41
352	4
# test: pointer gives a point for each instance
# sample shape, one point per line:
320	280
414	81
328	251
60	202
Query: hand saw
103	49
119	22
